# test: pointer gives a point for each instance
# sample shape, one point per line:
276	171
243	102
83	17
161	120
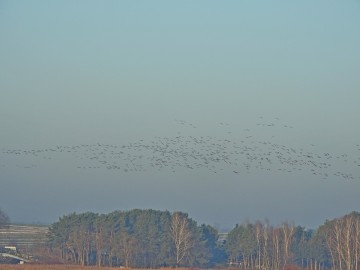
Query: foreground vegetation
65	267
160	240
155	239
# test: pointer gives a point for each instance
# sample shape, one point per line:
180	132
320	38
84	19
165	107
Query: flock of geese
235	153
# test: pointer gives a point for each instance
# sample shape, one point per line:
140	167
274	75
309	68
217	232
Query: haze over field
229	111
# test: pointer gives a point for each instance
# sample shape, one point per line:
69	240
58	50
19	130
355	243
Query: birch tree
181	236
288	234
343	241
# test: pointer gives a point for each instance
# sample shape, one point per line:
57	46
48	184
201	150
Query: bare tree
330	244
100	242
348	243
181	236
259	240
276	243
288	233
343	241
357	243
266	257
128	248
263	238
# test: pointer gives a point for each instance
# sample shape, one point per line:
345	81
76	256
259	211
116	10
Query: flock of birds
235	153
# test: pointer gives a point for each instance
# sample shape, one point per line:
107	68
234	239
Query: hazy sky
258	75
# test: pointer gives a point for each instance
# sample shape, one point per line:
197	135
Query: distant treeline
153	239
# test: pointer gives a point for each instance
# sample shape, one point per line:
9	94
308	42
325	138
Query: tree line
136	238
153	239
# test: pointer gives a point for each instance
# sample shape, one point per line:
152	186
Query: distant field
69	267
22	236
49	267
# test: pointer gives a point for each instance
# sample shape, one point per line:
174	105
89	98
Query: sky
231	111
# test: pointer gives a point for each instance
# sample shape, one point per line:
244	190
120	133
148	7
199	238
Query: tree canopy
136	238
153	239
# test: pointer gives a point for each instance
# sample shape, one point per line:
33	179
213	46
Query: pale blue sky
114	72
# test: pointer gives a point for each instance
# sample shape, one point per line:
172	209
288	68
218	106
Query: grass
70	267
51	267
